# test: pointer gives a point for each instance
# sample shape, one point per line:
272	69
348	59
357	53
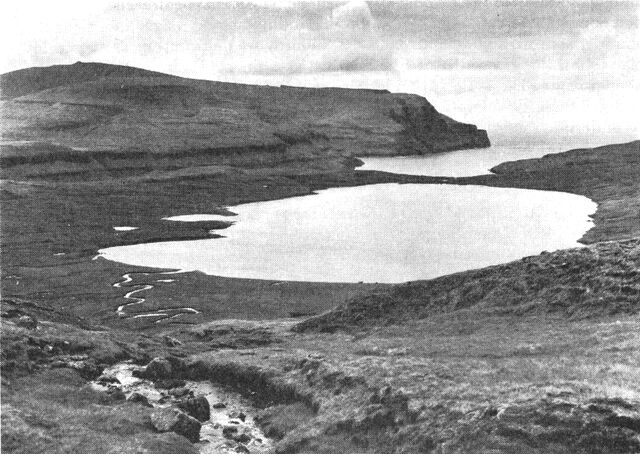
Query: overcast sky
508	63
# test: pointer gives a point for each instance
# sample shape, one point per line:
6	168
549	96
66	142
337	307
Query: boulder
237	415
105	379
116	394
219	405
158	368
198	407
174	420
87	369
242	438
169	383
139	398
229	431
179	392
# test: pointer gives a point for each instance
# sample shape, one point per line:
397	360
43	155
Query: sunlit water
377	233
463	163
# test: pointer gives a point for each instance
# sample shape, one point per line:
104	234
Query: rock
170	383
87	369
219	405
242	438
116	394
237	415
171	342
107	379
198	407
138	373
26	321
139	398
158	368
179	392
178	367
242	449
229	431
174	420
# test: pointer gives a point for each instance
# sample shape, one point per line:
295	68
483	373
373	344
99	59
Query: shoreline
301	185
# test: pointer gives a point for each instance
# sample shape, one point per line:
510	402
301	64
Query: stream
228	409
160	314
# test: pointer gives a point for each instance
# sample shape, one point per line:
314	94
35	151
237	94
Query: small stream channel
228	409
160	314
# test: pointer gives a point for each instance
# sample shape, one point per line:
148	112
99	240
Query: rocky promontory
92	118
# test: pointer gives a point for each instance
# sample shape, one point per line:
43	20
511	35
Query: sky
522	69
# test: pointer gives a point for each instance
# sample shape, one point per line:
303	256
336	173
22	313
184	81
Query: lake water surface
463	163
377	233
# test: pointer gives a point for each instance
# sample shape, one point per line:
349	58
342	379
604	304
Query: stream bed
228	409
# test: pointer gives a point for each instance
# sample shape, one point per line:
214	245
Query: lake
463	163
378	233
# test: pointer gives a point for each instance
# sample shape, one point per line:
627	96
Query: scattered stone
219	405
87	369
116	394
26	321
138	373
237	415
139	398
242	438
170	383
198	407
229	431
179	392
107	379
174	420
171	341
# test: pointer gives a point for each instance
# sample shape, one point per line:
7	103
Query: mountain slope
97	112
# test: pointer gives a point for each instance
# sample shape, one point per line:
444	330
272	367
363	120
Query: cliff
106	116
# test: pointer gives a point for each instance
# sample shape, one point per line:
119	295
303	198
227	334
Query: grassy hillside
90	116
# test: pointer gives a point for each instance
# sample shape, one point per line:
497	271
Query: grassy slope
102	119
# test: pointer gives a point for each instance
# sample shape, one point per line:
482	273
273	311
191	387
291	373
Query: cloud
355	14
337	58
342	39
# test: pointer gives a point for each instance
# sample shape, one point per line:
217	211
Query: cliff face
97	114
